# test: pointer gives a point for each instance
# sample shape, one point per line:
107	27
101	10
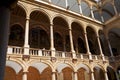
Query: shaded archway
10	74
78	33
98	73
83	74
67	73
61	26
92	41
104	44
114	36
16	37
39	38
46	74
111	74
33	74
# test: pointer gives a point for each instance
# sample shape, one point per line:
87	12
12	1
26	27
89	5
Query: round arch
23	6
43	11
62	17
17	66
63	65
85	66
44	62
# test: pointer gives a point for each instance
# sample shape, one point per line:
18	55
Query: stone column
71	43
110	47
92	76
75	76
87	45
26	42
24	76
53	76
100	48
5	7
106	76
52	40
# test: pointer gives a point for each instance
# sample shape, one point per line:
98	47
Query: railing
43	52
15	50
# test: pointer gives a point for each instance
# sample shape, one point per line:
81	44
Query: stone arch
10	73
64	71
92	40
111	73
43	11
23	6
85	66
99	72
79	22
42	70
44	62
114	36
63	65
61	16
16	65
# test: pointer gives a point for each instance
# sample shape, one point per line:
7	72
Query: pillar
24	76
109	46
26	42
53	76
75	76
52	40
100	48
66	3
4	31
106	76
71	43
92	76
87	45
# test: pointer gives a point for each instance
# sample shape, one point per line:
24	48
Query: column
26	45
71	43
87	45
92	76
75	76
5	7
24	76
52	40
106	76
110	48
100	48
91	11
71	40
53	76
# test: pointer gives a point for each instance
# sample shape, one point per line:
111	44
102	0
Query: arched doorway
98	73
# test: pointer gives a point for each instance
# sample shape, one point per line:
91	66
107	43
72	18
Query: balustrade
47	53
